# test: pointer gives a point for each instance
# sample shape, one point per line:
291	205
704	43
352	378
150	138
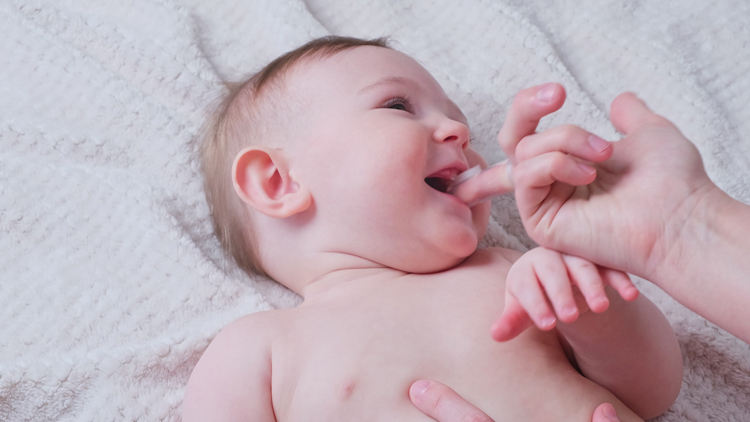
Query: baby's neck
343	281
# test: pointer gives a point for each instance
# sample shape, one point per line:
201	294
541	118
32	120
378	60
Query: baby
327	171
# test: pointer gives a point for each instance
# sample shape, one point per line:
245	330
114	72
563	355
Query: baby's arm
232	380
630	349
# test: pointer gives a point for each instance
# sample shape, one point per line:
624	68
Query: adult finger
492	181
569	139
441	403
529	106
534	177
552	167
629	112
605	413
586	276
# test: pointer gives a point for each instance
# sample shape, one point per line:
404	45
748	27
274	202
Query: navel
345	389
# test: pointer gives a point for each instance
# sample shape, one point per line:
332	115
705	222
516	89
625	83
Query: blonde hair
243	118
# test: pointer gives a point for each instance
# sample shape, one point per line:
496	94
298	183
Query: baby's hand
572	285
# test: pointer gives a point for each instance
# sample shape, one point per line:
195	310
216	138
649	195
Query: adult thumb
605	413
628	113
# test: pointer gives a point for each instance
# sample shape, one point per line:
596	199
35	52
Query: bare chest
356	360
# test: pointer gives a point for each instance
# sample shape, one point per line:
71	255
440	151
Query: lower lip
451	198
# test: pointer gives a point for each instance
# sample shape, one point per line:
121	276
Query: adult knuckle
522	149
654	119
557	160
434	399
569	131
520	171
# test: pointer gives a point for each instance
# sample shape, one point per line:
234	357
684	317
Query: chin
464	247
454	251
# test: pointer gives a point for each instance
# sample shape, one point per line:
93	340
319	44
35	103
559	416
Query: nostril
451	138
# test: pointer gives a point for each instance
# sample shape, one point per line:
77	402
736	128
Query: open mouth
442	180
438	183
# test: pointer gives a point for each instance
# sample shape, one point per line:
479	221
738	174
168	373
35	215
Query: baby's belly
529	381
355	360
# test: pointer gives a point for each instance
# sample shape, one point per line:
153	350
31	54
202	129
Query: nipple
476	185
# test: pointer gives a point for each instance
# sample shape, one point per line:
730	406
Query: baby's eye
400	103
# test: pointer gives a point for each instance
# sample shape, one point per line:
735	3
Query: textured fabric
111	281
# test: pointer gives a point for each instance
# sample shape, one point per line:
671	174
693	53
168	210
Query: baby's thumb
628	113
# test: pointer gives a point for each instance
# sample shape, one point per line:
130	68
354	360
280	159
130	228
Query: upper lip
450	170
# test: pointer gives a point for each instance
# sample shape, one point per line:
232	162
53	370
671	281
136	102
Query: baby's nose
452	131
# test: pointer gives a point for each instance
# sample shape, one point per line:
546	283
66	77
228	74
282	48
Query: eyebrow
389	80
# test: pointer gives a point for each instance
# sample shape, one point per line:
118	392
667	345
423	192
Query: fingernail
610	413
546	92
419	387
569	311
597	143
601	300
586	169
548	321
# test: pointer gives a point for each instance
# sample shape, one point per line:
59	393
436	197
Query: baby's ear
261	179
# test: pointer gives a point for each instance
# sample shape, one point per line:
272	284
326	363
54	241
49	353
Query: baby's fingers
621	283
552	273
512	322
524	291
587	277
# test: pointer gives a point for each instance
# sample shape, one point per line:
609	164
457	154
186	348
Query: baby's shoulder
237	360
257	328
249	336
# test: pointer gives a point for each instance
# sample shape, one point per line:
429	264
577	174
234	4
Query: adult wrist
690	235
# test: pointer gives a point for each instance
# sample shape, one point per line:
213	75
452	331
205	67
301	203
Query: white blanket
111	281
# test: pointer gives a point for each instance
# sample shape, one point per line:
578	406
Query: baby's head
336	155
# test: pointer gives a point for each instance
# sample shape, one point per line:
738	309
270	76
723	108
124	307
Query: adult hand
441	403
643	205
580	195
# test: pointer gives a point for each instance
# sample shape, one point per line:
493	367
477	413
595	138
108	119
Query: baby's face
379	139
